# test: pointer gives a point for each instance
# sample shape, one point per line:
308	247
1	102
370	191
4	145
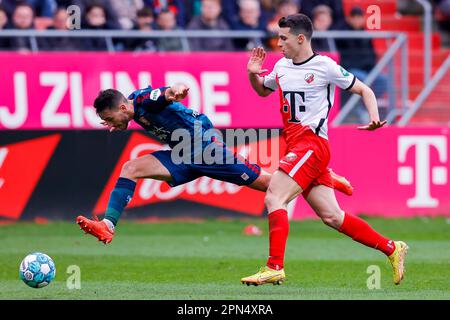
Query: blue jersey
161	117
157	115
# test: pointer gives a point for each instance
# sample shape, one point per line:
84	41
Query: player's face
289	43
116	118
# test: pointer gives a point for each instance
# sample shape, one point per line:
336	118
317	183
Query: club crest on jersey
290	157
309	77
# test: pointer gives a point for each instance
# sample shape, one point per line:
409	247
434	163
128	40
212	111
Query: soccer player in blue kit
160	112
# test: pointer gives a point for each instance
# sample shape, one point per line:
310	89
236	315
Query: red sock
278	233
359	230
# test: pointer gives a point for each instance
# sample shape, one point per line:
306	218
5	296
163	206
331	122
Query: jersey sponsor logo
309	77
155	94
291	107
21	166
344	72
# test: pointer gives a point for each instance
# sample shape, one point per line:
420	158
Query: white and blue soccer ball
37	270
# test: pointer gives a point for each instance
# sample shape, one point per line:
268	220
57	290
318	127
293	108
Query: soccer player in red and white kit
306	83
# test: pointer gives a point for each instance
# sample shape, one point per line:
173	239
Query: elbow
368	92
364	91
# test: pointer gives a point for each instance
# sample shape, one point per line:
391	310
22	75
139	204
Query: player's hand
373	125
111	129
256	61
177	92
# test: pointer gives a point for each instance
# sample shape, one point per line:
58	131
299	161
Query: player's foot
265	275
397	260
340	183
98	229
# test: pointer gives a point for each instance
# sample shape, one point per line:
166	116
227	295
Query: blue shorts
240	172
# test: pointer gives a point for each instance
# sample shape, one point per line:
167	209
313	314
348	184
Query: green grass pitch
182	260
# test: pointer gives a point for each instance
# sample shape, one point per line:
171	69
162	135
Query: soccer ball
37	270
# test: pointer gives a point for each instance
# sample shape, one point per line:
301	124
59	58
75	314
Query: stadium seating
434	110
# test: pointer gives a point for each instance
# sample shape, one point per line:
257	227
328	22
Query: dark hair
356	11
165	10
299	23
144	12
108	99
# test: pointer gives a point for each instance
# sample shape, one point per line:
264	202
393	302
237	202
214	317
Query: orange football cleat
98	229
340	183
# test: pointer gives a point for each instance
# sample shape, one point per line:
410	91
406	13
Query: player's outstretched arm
370	101
254	69
176	92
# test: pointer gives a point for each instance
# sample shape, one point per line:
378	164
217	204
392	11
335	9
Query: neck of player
131	109
303	55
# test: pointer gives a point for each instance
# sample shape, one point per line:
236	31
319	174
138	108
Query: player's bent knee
273	202
333	218
129	170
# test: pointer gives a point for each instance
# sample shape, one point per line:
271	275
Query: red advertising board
396	172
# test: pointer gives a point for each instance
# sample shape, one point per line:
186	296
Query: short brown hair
299	24
108	99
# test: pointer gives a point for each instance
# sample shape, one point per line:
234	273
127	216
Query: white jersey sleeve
270	80
339	76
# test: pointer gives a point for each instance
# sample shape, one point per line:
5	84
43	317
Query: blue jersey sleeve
152	100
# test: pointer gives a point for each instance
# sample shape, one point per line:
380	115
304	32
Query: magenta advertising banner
56	90
396	172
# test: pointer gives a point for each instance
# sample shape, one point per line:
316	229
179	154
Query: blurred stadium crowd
147	15
359	55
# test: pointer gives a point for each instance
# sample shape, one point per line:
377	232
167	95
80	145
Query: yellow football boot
397	260
265	275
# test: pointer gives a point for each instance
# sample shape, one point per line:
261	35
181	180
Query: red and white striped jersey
307	93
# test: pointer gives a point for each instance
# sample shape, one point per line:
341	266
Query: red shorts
306	162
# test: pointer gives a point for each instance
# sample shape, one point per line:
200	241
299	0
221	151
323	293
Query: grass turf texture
206	261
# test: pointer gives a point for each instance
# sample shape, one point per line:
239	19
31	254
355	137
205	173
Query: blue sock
119	198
